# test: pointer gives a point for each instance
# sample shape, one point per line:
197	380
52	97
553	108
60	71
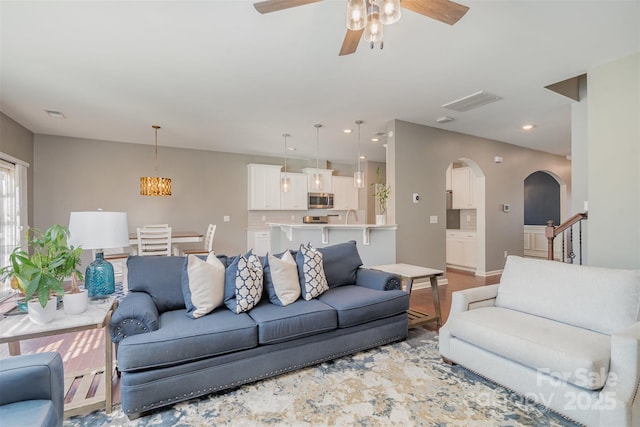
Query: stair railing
566	229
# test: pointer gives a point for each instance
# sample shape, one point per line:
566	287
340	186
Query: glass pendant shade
155	186
358	179
356	14
285	184
390	12
373	31
316	181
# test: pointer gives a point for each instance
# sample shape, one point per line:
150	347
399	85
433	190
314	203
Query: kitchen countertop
331	225
288	228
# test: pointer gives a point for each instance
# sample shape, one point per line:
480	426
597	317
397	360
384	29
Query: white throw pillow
206	283
284	275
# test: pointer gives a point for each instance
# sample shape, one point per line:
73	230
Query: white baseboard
489	273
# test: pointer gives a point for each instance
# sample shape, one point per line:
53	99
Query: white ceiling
217	75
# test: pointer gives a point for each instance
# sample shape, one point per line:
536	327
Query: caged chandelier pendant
155	185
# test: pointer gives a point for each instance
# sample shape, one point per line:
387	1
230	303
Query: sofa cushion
299	319
313	281
160	277
202	284
283	285
356	304
243	283
601	299
573	354
341	263
181	339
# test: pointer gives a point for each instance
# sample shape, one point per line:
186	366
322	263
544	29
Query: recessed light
375	139
291	148
363	157
528	127
444	119
55	114
347	131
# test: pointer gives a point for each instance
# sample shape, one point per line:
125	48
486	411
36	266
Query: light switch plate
433	219
226	218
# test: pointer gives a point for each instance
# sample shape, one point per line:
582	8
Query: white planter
40	315
75	303
381	219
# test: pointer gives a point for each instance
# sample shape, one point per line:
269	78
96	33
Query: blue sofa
165	357
32	390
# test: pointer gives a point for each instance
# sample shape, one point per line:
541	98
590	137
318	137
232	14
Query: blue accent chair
32	390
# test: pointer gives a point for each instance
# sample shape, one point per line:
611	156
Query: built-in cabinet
345	194
259	241
327	178
263	187
461	248
296	198
463	188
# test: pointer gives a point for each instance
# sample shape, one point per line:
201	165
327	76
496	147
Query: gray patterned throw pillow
315	281
248	283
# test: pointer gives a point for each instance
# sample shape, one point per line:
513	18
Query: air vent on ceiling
472	101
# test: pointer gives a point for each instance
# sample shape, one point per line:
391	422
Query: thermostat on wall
506	207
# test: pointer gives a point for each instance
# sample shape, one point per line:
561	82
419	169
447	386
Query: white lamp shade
98	229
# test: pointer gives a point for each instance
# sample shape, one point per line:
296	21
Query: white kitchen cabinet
345	195
461	248
463	188
296	197
263	187
259	241
327	185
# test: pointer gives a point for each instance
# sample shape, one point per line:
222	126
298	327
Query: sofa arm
377	280
136	314
38	376
468	299
621	405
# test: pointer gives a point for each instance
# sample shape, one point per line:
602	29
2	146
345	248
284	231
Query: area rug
401	384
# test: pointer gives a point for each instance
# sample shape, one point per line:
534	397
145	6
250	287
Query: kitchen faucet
346	217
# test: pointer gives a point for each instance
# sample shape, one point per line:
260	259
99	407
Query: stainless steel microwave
320	200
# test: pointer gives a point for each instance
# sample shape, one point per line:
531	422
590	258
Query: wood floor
84	350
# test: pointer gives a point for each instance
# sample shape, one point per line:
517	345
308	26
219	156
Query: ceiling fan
368	16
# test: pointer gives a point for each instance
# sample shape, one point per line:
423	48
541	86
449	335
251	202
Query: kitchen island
376	243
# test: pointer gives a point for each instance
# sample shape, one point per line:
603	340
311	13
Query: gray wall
17	141
422	155
613	156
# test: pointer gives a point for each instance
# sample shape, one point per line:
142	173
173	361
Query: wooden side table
13	329
409	273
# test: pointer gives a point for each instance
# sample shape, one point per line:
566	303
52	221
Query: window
13	210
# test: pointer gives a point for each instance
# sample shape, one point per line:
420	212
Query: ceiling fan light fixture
391	12
356	14
373	31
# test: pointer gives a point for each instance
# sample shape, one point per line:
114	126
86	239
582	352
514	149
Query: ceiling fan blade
445	11
350	43
276	5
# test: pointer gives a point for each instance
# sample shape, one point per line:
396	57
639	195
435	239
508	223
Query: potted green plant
39	274
381	192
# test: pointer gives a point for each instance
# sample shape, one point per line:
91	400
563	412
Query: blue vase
99	278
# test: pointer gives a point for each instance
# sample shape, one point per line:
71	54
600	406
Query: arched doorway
465	234
544	200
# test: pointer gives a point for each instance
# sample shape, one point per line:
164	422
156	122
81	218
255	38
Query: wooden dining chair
208	243
154	241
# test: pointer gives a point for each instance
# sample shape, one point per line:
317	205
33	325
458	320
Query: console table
409	273
16	328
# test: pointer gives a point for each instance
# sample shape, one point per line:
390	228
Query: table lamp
99	230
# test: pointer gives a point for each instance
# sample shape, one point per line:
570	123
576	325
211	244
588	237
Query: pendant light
285	181
316	178
154	185
358	176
